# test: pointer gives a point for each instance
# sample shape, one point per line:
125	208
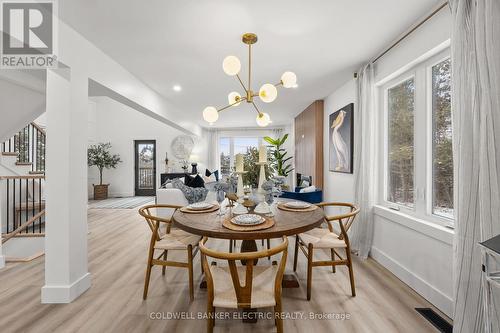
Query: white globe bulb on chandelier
267	93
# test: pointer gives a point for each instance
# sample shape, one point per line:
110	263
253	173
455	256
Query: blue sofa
311	197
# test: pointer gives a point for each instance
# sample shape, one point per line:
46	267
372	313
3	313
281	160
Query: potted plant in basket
99	155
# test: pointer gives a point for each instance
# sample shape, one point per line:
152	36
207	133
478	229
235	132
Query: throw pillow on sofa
196	181
192	194
215	173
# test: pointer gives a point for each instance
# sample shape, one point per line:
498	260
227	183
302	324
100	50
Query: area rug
121	203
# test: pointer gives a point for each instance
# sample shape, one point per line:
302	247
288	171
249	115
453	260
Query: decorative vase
220	196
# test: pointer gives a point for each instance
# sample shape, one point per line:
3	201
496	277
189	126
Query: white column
2	199
66	272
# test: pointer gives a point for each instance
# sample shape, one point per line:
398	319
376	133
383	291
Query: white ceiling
165	43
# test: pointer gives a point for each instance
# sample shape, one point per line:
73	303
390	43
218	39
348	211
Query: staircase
22	200
28	148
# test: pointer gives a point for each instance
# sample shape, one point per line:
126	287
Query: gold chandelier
267	93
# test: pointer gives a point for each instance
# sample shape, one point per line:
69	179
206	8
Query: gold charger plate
309	209
185	209
266	225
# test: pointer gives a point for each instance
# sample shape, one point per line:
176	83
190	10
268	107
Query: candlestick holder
239	191
262	175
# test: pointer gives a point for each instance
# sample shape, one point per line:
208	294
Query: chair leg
333	259
351	273
296	253
211	318
309	270
190	269
230	246
278	318
148	276
165	259
268	247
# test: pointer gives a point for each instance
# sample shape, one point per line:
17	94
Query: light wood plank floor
118	242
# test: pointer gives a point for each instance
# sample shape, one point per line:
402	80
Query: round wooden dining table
286	223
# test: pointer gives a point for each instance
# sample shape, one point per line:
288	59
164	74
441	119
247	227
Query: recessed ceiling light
177	87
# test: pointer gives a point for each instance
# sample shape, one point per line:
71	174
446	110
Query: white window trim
383	172
423	169
429	115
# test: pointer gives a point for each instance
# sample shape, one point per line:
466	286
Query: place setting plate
248	222
200	207
297	206
248	219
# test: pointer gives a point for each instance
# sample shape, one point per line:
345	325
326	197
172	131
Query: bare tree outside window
401	104
229	147
442	177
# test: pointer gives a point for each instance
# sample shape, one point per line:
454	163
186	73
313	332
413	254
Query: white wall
434	33
19	105
337	186
111	121
418	252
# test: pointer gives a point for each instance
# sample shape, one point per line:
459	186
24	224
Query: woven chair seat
262	286
177	240
321	238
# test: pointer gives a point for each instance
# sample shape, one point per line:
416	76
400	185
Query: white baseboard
2	261
423	288
65	293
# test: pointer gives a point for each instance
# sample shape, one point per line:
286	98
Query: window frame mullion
420	142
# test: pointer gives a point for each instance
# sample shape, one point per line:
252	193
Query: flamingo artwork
339	145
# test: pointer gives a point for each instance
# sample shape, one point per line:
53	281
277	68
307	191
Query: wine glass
220	199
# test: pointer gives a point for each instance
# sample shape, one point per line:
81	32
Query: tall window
225	156
417	167
401	104
442	155
230	146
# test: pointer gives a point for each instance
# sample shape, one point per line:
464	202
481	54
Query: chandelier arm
249	66
232	104
241	82
279	84
256	109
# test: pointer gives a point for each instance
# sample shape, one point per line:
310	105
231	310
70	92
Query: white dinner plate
200	206
297	205
248	219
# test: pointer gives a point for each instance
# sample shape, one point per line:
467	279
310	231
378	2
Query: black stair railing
30	146
23	206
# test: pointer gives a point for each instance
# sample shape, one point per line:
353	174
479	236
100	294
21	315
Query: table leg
249	246
249	315
290	281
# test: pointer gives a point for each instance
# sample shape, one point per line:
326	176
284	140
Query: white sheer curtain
213	149
475	56
364	167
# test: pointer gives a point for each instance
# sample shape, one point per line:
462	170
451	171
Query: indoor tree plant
250	160
99	155
278	160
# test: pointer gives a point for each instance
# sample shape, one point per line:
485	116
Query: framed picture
341	147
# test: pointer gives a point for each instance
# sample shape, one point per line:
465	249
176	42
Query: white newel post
66	271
